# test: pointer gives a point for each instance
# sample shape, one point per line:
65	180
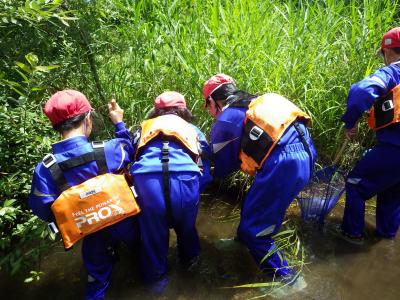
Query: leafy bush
25	26
24	140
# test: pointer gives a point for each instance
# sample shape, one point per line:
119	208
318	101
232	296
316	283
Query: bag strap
50	162
57	169
76	161
100	156
305	144
166	182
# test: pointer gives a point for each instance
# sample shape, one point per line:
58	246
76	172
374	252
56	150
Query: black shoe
339	232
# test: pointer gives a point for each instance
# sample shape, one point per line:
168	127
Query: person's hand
351	133
115	112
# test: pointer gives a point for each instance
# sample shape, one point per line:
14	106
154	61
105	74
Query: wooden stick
340	152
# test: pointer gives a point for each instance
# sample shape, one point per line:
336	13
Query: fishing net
321	194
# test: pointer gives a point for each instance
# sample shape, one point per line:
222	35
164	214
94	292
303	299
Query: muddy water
335	269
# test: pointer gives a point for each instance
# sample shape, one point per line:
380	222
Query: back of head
221	87
216	82
171	102
65	106
391	39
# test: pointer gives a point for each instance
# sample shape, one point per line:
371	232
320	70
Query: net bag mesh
321	194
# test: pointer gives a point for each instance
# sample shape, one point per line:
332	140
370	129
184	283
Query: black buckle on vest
97	144
52	227
387	105
255	133
164	152
49	160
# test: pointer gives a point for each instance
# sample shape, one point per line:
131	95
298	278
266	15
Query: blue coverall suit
376	173
98	248
186	182
284	174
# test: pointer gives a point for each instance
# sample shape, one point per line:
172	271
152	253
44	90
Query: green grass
308	51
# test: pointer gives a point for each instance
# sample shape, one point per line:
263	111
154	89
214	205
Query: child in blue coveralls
70	113
169	172
376	173
281	157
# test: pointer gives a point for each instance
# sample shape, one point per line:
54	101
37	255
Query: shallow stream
334	269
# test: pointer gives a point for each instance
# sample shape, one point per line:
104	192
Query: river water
334	269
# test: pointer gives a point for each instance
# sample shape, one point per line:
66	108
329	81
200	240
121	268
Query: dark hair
229	90
184	113
70	124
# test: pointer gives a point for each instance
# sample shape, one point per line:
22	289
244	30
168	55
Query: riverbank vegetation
308	51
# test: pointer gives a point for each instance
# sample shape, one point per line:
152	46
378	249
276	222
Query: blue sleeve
43	194
206	158
121	131
225	140
119	153
363	94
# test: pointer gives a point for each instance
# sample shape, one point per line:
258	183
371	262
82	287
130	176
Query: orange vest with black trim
386	110
93	205
171	126
267	118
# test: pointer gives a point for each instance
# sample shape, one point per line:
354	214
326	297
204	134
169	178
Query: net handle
340	152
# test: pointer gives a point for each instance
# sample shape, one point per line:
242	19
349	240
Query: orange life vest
171	126
267	118
386	110
92	205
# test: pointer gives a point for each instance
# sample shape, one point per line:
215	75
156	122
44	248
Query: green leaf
24	67
32	59
29	279
45	68
9	202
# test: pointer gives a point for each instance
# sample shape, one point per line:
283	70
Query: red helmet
391	39
214	83
170	99
65	105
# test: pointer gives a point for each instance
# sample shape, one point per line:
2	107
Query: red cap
65	105
170	99
391	39
214	83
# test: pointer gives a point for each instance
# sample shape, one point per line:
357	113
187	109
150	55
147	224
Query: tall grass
308	51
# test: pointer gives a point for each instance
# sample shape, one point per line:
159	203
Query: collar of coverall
69	143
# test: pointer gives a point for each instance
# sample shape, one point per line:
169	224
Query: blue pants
377	173
98	253
284	174
154	229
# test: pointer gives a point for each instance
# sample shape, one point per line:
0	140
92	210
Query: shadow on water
334	269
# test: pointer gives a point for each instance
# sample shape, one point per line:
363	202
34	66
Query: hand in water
115	112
